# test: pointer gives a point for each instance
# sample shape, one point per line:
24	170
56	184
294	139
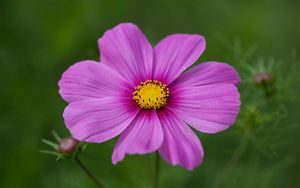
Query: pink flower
144	94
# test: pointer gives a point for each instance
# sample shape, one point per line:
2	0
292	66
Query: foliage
40	39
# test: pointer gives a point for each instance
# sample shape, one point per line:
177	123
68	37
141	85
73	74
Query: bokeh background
39	39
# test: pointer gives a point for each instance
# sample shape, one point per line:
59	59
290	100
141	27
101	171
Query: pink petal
90	79
125	49
208	73
207	108
180	145
143	135
98	120
176	53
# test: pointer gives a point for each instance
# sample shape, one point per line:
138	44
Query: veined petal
207	73
98	120
208	108
125	49
89	79
143	135
180	145
176	53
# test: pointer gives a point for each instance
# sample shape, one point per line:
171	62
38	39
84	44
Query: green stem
89	173
229	168
156	171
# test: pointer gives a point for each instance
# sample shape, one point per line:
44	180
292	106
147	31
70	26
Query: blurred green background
39	39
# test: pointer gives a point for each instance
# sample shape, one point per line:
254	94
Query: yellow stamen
151	94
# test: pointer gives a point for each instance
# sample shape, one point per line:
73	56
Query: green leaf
49	152
57	138
51	144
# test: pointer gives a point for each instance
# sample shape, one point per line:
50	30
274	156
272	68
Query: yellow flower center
151	94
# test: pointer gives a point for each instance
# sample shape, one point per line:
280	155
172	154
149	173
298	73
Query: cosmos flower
149	97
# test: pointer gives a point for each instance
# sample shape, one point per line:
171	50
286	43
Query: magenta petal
143	135
125	49
206	97
208	73
176	53
98	120
208	108
90	79
180	145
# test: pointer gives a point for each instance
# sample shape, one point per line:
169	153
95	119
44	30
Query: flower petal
98	120
180	146
176	53
207	108
90	79
125	49
143	135
208	73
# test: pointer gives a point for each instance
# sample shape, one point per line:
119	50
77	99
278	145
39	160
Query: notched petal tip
229	70
187	167
68	78
180	146
87	122
120	25
116	157
175	53
125	48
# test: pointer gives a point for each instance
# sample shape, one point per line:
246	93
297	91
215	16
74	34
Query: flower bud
263	78
265	81
68	145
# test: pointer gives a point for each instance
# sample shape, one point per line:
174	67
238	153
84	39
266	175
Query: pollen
151	94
